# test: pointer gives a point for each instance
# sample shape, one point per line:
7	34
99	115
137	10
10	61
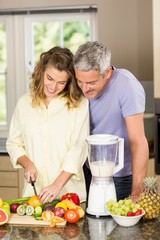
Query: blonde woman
48	129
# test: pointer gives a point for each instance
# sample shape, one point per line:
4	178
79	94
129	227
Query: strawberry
130	214
138	212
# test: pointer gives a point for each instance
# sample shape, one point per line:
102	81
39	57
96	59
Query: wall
123	25
156	49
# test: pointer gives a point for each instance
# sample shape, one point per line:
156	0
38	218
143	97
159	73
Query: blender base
97	214
101	191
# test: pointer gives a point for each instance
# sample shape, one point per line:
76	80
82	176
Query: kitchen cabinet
11	180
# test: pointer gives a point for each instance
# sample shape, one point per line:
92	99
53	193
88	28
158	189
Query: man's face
92	83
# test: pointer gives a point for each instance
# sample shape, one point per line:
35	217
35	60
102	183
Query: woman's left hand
49	193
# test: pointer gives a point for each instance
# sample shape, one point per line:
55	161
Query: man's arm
139	150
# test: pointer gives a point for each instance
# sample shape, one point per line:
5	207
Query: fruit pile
149	200
4	212
57	211
124	208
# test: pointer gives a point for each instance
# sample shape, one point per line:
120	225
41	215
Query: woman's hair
92	56
62	60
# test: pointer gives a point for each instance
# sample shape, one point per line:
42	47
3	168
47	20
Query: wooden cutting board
15	219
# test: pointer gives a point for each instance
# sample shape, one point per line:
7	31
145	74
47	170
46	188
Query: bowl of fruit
125	212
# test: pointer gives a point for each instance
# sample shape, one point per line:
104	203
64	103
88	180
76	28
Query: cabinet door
9	179
9	193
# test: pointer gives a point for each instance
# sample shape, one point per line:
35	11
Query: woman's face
54	82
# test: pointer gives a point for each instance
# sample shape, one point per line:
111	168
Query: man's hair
92	56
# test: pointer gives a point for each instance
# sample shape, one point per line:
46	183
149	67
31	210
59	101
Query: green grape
123	207
120	202
116	204
132	205
128	202
127	209
137	206
123	213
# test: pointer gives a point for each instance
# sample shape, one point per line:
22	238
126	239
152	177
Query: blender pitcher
106	157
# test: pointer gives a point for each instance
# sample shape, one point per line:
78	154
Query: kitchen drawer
9	193
8	179
5	164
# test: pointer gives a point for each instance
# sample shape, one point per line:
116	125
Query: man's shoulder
125	72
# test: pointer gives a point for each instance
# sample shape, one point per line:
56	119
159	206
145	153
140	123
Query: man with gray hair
117	105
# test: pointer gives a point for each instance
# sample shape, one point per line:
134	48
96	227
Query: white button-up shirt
54	139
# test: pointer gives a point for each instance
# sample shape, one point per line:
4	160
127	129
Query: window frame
19	49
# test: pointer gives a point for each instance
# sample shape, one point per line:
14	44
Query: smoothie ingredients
71	215
13	207
124	208
34	201
73	197
3	217
57	212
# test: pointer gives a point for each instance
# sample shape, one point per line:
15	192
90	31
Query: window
23	37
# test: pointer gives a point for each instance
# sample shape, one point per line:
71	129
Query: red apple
13	207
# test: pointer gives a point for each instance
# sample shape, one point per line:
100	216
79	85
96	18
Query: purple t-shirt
124	96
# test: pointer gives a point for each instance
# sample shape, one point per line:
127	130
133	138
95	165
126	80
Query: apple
13	207
59	212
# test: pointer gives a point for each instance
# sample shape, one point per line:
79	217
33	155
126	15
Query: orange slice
47	216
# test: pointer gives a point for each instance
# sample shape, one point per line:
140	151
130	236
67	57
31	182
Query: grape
122	207
128	202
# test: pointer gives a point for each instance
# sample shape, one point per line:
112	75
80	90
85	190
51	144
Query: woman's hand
53	190
49	193
30	170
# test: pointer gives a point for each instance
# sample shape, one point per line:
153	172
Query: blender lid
102	139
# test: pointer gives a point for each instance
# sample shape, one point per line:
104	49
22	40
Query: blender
106	157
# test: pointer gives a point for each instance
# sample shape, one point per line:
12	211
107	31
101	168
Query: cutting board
15	219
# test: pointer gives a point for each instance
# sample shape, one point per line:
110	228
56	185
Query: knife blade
34	188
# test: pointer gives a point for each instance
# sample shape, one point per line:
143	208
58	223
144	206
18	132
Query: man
117	105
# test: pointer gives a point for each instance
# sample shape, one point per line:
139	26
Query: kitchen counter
89	228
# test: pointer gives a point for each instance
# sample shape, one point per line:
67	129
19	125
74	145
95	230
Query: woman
48	129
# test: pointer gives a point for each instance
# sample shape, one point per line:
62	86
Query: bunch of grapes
123	207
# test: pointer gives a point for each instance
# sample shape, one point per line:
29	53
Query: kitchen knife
34	188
